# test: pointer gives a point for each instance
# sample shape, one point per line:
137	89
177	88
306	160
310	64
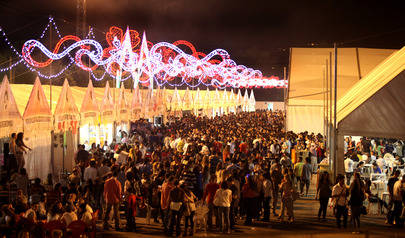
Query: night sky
256	33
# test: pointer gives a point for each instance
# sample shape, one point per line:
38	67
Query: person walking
112	197
208	197
306	176
398	196
324	192
356	199
287	190
176	201
167	186
250	196
223	199
267	190
189	209
339	194
276	177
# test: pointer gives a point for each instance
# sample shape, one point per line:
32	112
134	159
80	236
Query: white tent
10	117
232	102
187	101
107	116
90	118
252	102
122	112
207	103
147	107
198	102
374	106
176	104
66	123
245	101
37	132
161	101
136	105
216	104
225	102
238	101
305	106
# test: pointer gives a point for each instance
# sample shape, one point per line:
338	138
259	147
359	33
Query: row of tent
54	134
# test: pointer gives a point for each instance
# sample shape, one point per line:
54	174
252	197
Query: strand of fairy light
22	60
230	75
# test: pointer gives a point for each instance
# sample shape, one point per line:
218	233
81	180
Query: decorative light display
128	56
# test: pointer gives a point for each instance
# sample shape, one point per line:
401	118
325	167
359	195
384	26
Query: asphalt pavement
306	225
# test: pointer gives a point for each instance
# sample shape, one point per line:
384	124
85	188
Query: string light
161	63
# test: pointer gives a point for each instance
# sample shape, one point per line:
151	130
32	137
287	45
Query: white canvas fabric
374	105
66	127
122	106
10	117
306	80
136	104
37	133
187	100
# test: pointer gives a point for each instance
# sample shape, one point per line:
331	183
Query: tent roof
37	103
374	106
122	99
108	101
90	103
307	67
66	103
8	108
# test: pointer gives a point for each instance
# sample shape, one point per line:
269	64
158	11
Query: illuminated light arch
148	63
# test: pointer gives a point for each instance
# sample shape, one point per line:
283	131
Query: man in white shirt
69	216
348	169
91	172
339	194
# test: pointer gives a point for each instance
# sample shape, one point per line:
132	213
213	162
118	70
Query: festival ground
306	225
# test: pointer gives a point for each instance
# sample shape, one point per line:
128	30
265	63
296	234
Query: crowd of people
193	171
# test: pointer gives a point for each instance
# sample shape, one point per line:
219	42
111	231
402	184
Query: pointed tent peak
107	99
8	108
136	98
187	98
89	103
37	103
5	82
122	97
66	103
5	78
252	95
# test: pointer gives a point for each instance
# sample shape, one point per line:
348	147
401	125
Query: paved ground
306	226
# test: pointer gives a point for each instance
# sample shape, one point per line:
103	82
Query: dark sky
255	33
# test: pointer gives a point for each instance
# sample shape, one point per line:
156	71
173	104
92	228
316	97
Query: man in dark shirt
390	186
176	205
366	145
82	158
